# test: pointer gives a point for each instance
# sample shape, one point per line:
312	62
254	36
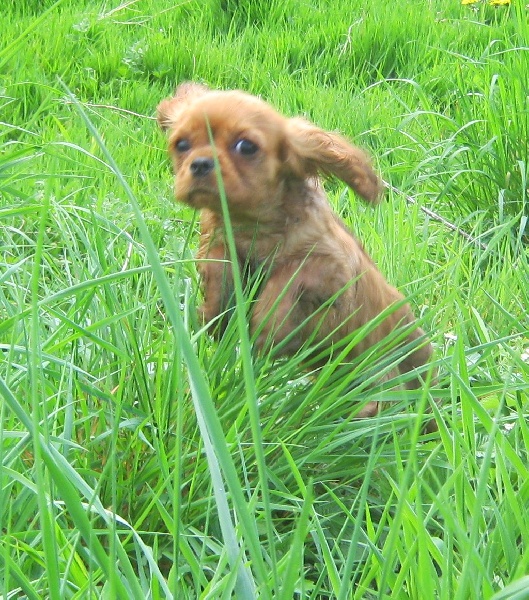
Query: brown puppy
283	222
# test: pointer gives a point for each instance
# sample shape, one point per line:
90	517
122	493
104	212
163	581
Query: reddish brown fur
282	219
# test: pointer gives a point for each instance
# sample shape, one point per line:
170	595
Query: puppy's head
236	132
238	141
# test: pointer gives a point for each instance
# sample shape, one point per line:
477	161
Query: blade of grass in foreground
247	364
218	454
517	590
38	410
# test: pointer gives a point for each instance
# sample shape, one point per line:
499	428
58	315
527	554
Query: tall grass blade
209	422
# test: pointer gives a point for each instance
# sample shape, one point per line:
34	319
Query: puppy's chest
257	256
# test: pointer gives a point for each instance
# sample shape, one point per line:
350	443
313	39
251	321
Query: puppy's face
241	141
239	131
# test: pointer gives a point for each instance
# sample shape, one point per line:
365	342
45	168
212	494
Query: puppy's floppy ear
168	110
311	150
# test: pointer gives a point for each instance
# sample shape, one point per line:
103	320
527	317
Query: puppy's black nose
201	166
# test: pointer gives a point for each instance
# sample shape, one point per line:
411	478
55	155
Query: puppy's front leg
284	308
276	313
217	288
294	303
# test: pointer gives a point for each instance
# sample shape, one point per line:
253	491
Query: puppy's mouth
201	197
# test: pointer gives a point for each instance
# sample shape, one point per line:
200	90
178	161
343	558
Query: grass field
140	459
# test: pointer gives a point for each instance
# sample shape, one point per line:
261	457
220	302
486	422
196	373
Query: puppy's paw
369	410
214	322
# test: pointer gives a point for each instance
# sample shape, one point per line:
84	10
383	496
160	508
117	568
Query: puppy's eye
245	147
182	145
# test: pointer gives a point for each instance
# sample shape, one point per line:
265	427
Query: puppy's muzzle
202	166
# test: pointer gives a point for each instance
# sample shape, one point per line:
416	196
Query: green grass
140	459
